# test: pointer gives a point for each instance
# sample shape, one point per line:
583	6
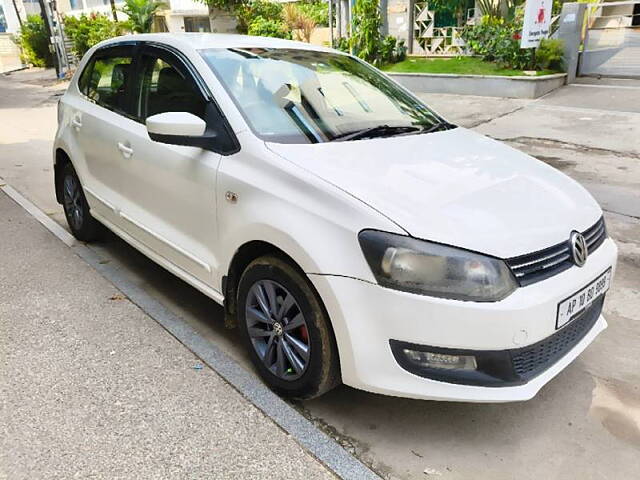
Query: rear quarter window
83	81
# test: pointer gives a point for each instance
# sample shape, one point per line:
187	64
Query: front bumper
366	317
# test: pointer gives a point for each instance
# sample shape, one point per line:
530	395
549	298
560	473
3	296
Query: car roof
200	41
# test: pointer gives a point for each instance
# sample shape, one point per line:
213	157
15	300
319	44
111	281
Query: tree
365	29
113	10
141	13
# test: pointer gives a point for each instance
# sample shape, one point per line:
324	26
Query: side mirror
176	128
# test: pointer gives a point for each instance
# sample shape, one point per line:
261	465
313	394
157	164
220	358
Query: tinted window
166	89
107	81
83	81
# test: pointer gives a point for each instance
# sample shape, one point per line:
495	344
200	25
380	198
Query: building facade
180	16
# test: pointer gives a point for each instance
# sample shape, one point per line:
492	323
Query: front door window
166	89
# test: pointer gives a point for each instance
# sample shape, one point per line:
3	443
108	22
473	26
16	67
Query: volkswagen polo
350	232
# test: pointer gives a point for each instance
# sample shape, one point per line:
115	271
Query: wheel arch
243	256
62	158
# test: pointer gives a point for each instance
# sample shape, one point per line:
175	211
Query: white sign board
537	18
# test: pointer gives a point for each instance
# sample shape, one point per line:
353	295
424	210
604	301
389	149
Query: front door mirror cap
175	124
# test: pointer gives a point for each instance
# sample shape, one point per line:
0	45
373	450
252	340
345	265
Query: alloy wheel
277	329
73	201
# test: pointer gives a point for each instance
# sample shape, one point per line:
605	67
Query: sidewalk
90	386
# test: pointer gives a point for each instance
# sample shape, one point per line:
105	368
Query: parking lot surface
584	424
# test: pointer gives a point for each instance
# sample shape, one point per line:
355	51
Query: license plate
571	307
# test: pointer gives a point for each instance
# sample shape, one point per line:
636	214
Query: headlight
417	266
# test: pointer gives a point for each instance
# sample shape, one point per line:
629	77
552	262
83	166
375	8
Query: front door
170	198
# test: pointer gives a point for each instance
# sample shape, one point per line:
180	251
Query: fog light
441	360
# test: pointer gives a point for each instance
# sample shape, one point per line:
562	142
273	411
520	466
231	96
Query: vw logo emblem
578	247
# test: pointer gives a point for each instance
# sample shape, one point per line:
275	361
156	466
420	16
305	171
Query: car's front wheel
286	329
76	209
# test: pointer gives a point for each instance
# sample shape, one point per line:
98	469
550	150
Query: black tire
322	371
76	209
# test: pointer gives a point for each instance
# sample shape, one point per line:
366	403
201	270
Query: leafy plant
455	8
497	40
263	27
489	8
248	12
316	10
298	22
88	30
342	44
34	42
392	50
549	54
365	30
141	13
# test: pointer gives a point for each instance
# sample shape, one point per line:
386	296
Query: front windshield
305	96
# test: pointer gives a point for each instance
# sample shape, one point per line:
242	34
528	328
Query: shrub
263	27
498	41
549	54
298	22
86	31
366	41
247	13
316	10
342	44
34	42
392	50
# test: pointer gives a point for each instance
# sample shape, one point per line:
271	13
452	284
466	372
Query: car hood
455	187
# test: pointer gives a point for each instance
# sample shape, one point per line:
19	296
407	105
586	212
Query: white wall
10	15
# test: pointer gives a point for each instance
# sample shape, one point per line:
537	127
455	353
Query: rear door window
106	79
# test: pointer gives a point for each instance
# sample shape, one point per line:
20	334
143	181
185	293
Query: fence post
570	31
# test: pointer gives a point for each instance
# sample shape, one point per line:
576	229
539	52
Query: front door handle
125	150
76	123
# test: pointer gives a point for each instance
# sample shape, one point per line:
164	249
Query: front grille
534	359
537	266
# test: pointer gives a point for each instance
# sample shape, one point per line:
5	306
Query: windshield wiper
373	132
439	126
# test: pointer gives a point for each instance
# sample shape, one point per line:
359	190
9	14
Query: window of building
197	24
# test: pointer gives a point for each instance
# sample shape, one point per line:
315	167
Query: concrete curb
316	442
484	85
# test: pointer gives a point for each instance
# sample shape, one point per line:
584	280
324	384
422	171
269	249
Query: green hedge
498	40
88	30
263	27
34	41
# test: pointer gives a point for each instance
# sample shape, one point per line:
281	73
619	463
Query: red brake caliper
304	334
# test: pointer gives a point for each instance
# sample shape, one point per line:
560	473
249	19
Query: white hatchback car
351	233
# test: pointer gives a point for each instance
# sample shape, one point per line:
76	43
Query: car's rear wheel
286	329
76	209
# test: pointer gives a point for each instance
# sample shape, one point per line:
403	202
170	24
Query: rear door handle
76	123
125	150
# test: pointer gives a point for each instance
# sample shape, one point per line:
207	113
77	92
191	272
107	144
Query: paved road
93	387
584	424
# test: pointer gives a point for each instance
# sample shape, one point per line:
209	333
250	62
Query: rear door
169	190
100	118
